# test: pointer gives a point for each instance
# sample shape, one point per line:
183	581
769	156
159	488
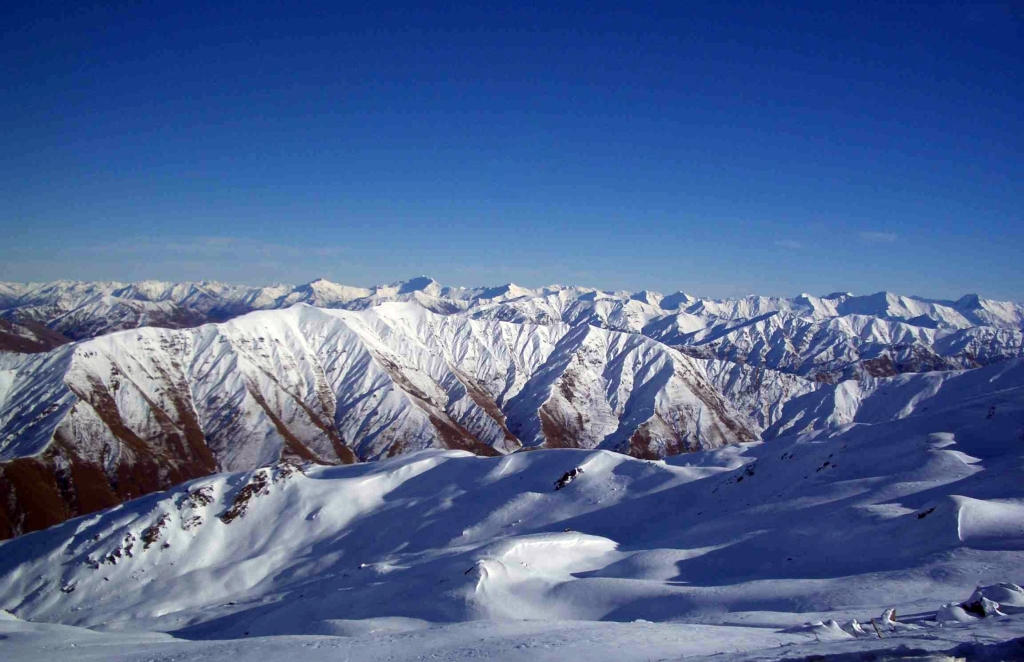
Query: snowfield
561	473
109	391
749	550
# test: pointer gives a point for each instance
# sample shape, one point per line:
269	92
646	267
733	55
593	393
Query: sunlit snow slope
89	425
150	394
911	513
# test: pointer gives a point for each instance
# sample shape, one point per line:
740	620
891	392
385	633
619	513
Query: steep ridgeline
831	338
89	425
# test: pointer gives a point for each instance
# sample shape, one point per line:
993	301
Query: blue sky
718	148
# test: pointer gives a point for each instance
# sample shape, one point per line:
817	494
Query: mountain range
109	391
835	336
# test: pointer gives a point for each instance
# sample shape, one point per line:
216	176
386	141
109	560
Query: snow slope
837	524
128	413
872	400
988	640
375	372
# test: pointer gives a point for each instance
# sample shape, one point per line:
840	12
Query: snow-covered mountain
873	400
805	470
752	547
834	337
150	395
91	424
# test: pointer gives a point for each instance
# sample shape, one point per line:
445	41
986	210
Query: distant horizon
564	285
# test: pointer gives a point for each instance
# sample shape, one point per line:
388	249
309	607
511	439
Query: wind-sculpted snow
127	413
907	515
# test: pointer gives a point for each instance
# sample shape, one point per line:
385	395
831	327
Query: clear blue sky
717	148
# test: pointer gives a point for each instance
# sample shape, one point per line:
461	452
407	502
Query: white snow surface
806	335
396	377
750	550
389	379
873	491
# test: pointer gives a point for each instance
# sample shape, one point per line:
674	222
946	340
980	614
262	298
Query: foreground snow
525	641
749	550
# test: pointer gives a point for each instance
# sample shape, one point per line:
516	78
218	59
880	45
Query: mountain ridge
207	377
330	386
837	336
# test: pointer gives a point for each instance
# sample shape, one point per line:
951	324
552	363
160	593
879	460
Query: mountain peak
508	290
318	285
969	301
676	299
418	284
648	297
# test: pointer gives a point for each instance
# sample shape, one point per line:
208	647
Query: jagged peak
648	297
417	284
970	300
677	299
509	290
320	283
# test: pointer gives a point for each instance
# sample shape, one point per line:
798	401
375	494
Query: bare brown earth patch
826	378
58	484
734	432
105	406
38	492
293	448
489	406
195	438
31	338
397	448
86	487
642	445
344	453
880	367
29	497
453	435
258	485
152	533
457	437
150	465
556	433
